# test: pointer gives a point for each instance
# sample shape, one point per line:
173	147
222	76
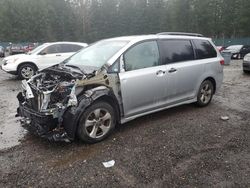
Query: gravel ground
180	147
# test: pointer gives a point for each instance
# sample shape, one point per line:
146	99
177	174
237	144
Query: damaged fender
72	115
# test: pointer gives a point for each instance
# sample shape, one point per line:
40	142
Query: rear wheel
26	71
205	93
96	122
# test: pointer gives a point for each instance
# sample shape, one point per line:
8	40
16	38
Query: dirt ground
180	147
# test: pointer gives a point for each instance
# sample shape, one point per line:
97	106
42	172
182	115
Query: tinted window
56	48
176	51
204	49
76	48
67	48
143	55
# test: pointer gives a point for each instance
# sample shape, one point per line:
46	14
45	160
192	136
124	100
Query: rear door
182	70
143	86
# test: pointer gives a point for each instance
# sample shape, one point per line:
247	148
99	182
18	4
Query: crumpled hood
61	66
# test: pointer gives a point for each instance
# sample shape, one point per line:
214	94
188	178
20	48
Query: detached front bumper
40	123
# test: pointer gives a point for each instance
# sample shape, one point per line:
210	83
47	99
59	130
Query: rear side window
67	48
76	48
176	51
55	48
204	49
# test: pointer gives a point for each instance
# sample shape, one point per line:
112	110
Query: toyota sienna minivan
117	80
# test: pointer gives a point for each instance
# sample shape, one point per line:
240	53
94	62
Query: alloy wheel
206	93
98	123
27	72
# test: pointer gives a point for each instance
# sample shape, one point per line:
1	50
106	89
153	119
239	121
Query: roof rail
181	33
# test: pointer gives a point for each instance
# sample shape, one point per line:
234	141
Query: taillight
222	62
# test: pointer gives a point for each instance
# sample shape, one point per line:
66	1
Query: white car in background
46	55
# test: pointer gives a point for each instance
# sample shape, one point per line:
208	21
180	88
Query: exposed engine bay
51	100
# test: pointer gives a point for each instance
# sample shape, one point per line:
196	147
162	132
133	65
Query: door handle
160	73
172	70
58	55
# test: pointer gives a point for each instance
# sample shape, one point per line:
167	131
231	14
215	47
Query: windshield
234	47
37	49
97	54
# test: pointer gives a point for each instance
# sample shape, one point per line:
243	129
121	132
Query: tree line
91	20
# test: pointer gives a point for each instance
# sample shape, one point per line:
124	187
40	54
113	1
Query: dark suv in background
238	51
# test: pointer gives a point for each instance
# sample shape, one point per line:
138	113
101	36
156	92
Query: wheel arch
113	102
213	82
27	62
71	117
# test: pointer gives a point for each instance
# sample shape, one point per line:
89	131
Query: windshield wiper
74	66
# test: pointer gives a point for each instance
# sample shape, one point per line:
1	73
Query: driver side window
141	56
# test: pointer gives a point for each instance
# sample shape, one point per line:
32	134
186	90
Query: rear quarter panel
213	69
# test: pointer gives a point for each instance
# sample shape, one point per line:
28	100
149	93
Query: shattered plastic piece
72	98
224	118
109	164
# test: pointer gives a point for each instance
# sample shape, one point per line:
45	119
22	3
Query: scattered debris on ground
224	118
109	164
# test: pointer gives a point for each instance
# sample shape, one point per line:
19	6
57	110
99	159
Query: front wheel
26	71
205	93
96	122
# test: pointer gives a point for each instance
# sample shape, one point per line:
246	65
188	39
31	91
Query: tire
101	122
205	93
26	71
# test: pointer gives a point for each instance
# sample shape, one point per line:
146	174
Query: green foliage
91	20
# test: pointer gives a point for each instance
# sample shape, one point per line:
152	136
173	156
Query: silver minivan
117	80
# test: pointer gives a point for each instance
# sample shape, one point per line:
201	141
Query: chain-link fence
235	41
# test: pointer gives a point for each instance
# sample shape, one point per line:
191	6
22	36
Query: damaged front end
44	99
52	101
